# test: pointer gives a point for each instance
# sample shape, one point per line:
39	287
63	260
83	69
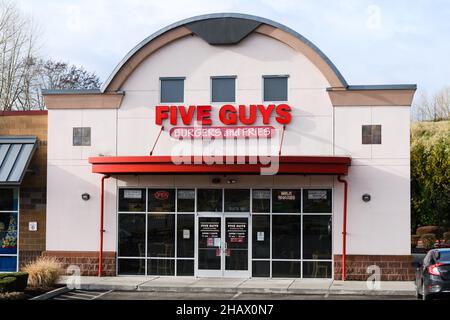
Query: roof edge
376	87
183	22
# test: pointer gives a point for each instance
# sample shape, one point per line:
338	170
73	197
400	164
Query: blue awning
15	156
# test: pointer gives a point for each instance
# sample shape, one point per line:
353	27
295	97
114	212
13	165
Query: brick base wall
86	261
393	268
26	257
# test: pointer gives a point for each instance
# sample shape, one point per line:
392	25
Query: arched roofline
180	29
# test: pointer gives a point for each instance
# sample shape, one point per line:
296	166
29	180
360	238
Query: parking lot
136	295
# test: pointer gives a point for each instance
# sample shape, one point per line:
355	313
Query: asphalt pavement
136	295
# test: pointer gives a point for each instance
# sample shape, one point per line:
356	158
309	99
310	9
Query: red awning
199	165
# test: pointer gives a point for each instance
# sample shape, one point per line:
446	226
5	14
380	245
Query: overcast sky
370	42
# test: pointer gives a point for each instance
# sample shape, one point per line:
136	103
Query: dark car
433	275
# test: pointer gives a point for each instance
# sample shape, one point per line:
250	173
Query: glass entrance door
209	243
236	247
223	246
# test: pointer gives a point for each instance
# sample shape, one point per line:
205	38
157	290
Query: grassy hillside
429	131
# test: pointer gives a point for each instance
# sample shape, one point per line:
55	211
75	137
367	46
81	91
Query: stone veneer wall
393	268
33	191
87	261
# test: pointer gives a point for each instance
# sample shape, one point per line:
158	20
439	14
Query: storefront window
286	237
286	201
261	201
161	235
295	241
161	267
261	237
317	234
185	235
132	235
286	269
8	233
209	200
8	200
316	269
131	266
132	200
261	269
185	267
317	201
161	200
237	200
186	200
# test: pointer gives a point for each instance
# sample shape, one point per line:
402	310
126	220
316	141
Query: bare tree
23	73
17	49
433	108
61	75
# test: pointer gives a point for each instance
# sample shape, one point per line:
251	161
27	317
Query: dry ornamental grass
44	272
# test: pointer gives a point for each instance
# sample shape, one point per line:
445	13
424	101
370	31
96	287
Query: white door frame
222	272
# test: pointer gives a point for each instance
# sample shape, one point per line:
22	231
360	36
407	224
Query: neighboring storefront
228	145
23	175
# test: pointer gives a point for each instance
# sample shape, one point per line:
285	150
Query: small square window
172	90
371	134
82	136
275	88
223	89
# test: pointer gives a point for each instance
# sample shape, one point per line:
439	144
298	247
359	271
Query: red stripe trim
169	159
164	165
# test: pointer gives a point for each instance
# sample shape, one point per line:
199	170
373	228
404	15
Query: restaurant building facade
228	145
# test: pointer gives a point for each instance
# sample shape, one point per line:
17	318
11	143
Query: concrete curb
278	291
336	289
105	287
52	294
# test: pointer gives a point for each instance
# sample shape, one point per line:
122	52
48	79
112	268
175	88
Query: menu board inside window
261	201
209	233
186	200
132	200
317	201
161	200
286	201
236	232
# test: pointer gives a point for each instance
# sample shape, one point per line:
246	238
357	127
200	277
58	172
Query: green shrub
8	284
22	280
428	240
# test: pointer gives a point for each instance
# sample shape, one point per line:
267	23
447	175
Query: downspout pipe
102	220
344	230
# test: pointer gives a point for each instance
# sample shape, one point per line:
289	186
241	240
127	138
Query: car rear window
444	256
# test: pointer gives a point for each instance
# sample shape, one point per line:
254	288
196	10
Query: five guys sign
228	115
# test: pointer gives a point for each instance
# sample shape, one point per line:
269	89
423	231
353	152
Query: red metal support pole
156	141
344	230
102	230
282	140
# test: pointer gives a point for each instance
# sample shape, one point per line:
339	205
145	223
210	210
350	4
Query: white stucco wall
378	227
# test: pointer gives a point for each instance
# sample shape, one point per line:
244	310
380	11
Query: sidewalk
221	285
